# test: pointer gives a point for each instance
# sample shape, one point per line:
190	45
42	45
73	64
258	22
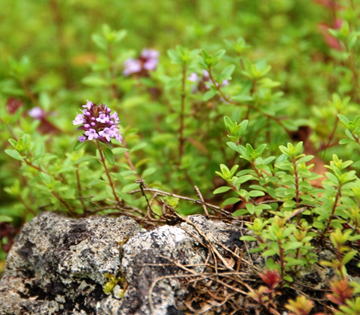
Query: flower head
37	113
98	123
141	66
132	66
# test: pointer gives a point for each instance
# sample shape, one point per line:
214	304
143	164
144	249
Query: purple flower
79	120
150	64
193	77
150	54
206	75
141	66
98	123
91	134
132	66
37	113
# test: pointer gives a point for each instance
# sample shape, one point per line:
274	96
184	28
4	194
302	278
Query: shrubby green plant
276	192
251	107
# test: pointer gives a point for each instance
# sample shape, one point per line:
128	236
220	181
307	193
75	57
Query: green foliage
286	181
254	103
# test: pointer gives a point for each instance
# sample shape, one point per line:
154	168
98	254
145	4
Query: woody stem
102	157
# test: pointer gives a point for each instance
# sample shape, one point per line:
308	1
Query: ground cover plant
240	110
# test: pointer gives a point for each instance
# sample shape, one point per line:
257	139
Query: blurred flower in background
45	126
141	66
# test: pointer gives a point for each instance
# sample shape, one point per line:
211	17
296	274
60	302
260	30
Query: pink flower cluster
146	62
98	123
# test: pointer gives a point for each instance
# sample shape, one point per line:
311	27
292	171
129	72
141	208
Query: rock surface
60	265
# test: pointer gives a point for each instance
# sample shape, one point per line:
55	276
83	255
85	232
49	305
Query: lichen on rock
106	265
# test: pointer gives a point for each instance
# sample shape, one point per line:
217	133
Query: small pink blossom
132	66
98	123
37	113
79	120
141	66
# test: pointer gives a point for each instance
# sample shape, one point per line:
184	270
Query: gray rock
57	264
143	263
60	265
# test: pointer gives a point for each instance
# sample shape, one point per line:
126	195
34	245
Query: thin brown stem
149	208
282	259
61	200
128	158
330	139
182	112
331	217
79	188
297	188
103	162
28	209
220	91
41	170
202	199
165	193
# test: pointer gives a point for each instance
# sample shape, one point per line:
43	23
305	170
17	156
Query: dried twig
202	200
165	193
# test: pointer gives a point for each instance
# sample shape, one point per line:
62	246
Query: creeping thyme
98	123
37	113
146	62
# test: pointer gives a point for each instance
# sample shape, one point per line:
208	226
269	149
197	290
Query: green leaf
78	145
230	201
233	146
209	94
138	147
5	218
344	120
227	73
94	81
243	179
99	41
270	252
349	256
292	245
14	154
149	172
129	187
119	150
240	212
221	190
256	193
109	155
